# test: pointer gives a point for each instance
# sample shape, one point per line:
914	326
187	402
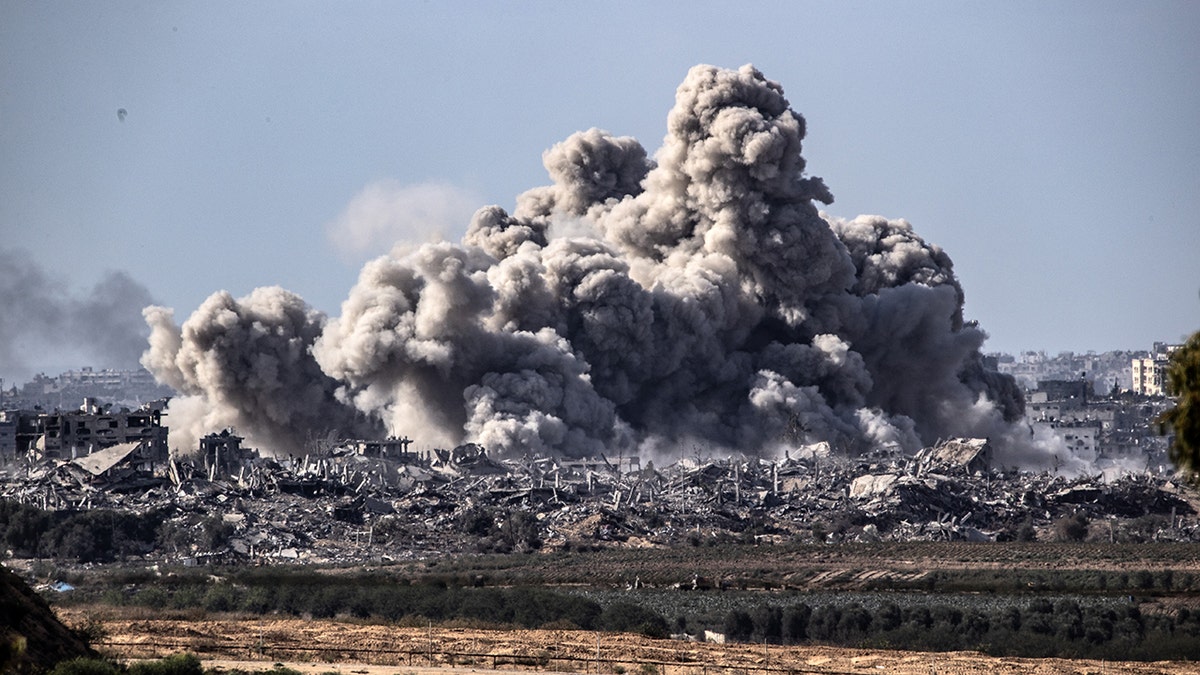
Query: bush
520	532
627	617
1072	528
854	623
220	598
823	624
888	617
85	536
1026	532
178	664
477	521
795	623
768	624
739	626
86	666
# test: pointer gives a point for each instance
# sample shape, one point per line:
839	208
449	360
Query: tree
1183	381
739	625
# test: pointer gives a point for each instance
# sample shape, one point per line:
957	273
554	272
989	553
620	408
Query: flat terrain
925	566
1163	576
313	646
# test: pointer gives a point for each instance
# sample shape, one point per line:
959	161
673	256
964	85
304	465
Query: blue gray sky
1052	149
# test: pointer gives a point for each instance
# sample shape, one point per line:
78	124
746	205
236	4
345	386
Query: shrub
628	617
1072	528
768	624
795	623
520	532
823	624
739	626
1026	532
220	598
477	521
86	666
888	617
178	664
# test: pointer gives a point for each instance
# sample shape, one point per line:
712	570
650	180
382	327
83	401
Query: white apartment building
1150	374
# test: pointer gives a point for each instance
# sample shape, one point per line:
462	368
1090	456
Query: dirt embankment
321	646
31	637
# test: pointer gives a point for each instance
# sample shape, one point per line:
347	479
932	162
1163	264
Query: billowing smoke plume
40	316
698	297
248	364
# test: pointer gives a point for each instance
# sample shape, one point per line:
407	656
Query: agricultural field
1011	600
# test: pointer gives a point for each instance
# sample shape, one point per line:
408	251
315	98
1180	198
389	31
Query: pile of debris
363	502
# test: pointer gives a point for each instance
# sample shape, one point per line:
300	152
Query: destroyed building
118	463
1116	431
345	507
224	452
388	448
74	433
971	456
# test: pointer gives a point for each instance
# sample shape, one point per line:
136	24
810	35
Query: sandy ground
349	648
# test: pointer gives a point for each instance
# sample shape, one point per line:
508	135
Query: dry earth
324	646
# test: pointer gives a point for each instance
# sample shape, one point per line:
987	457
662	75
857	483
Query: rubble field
346	507
321	646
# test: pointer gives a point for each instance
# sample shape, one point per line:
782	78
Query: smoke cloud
698	296
41	316
386	211
250	363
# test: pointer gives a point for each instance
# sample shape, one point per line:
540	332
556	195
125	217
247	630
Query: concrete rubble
362	502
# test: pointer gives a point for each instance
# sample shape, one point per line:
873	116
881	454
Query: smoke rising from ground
40	316
247	364
696	297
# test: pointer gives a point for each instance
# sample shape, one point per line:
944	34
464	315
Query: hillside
32	639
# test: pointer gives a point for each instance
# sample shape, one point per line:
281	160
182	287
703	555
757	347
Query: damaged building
76	433
1115	431
347	506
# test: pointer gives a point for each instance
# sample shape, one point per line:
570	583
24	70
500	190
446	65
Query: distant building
223	451
1106	370
8	438
389	448
1063	390
1058	399
76	433
127	387
1150	373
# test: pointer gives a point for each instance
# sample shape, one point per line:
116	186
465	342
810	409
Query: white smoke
386	211
696	297
247	364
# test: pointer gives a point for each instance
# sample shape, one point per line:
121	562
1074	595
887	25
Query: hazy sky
1052	149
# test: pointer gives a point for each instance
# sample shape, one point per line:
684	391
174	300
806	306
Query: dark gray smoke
40	316
698	297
